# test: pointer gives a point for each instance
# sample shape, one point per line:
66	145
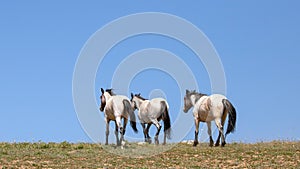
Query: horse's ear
139	94
102	90
187	91
131	95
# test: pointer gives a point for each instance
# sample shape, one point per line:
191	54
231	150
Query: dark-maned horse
151	112
207	108
116	108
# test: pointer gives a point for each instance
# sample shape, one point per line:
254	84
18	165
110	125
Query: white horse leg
107	131
219	136
158	126
144	130
220	127
196	132
118	125
123	130
211	141
117	133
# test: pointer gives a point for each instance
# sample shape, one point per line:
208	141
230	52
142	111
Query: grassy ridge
85	155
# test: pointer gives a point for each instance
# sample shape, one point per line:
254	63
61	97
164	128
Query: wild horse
151	112
116	108
208	108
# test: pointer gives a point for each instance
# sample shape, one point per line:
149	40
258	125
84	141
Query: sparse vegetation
84	155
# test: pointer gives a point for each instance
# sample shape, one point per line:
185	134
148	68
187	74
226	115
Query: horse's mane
140	97
197	94
110	91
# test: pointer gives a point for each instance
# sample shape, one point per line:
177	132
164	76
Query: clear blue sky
258	43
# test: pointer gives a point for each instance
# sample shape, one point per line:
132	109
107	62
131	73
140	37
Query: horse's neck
195	98
139	102
107	96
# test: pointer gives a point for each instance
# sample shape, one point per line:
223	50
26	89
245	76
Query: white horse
116	108
207	108
151	112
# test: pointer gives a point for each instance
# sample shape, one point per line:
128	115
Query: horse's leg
123	130
211	141
117	133
196	131
158	126
223	122
147	132
107	131
220	127
219	136
218	140
165	138
144	130
118	125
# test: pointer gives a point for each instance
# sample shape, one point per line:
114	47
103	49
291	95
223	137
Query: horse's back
151	109
208	108
116	102
119	98
216	98
157	102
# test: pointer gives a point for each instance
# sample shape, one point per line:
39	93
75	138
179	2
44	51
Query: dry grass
83	155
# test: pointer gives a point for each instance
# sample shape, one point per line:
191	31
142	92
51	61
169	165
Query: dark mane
110	91
197	94
140	97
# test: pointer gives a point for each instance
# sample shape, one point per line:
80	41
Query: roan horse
152	111
207	108
116	108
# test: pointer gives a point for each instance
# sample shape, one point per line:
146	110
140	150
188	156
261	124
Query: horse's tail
131	114
232	116
166	119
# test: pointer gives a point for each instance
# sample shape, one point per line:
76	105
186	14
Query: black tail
166	119
131	114
232	116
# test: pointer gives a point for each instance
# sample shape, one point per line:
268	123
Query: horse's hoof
223	144
211	144
195	143
217	144
148	140
106	143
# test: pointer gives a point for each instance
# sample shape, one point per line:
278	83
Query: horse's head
135	100
190	98
187	101
104	96
103	100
